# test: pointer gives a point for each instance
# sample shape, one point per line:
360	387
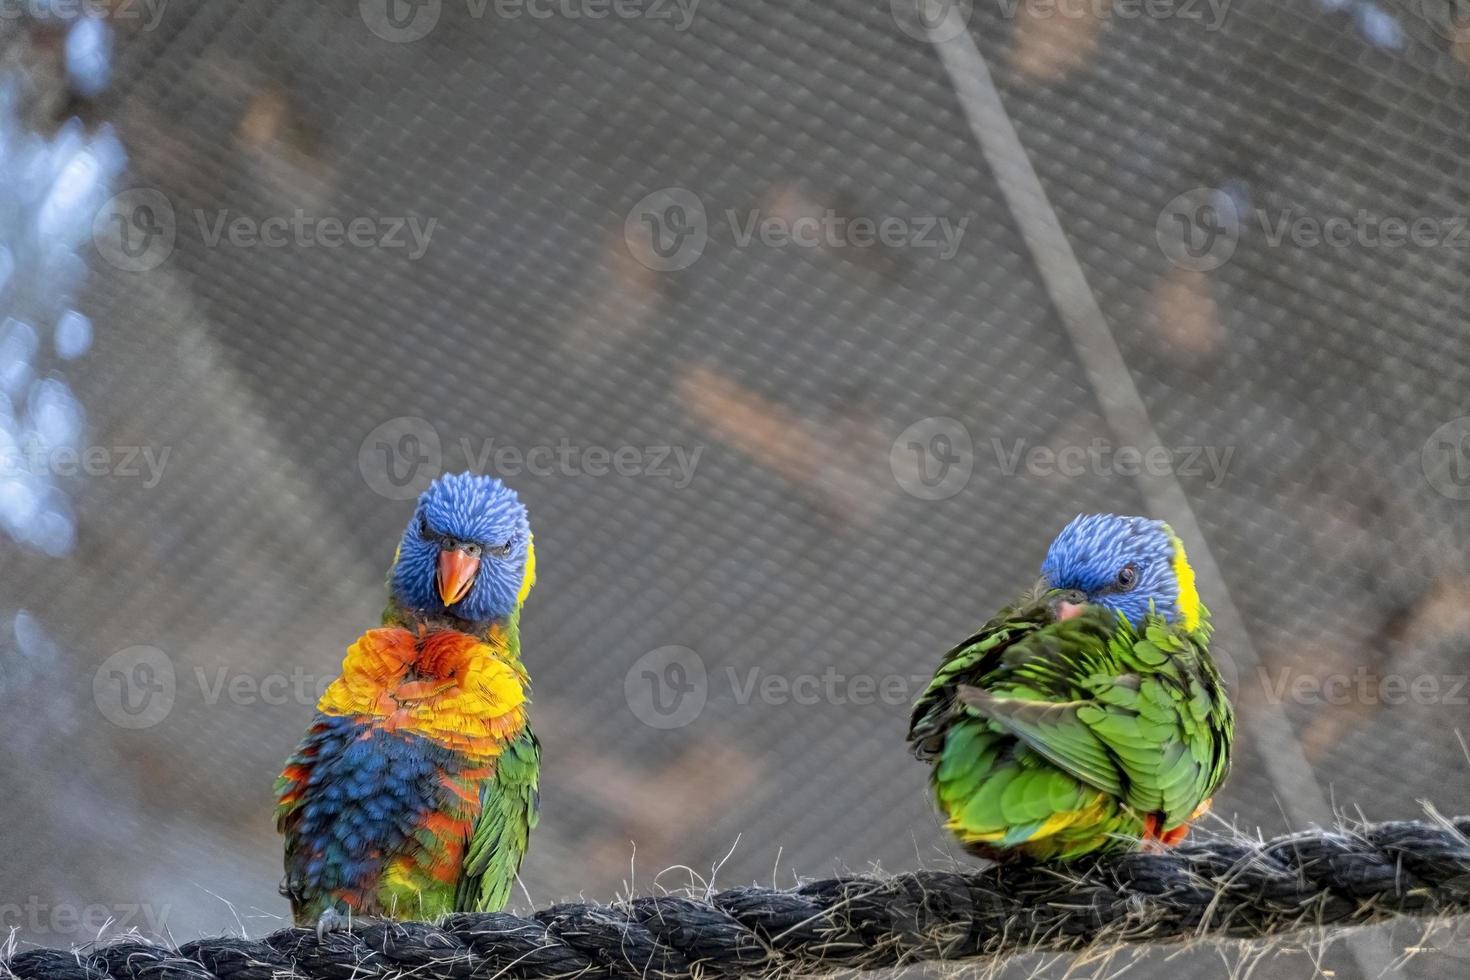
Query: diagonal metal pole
1291	775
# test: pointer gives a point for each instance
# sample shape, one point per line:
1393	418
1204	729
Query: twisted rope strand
1209	889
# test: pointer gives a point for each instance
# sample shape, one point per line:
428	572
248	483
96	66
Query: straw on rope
1213	888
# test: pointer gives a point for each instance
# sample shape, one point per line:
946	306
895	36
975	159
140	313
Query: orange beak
1070	610
456	575
1064	604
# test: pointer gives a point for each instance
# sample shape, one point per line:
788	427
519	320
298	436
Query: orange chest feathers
466	693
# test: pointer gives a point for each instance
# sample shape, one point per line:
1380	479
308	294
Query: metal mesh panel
801	561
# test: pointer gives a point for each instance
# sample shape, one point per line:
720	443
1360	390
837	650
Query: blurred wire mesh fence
800	328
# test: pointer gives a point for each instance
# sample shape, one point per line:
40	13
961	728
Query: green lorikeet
1088	714
414	791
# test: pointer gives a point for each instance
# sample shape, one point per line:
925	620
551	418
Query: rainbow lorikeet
414	791
1088	714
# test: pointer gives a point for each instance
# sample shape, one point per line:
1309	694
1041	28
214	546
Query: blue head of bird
1130	565
467	551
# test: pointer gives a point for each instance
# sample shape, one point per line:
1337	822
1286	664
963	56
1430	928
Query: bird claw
332	921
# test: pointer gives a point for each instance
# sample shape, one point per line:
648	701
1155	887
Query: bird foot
332	921
1156	840
1175	837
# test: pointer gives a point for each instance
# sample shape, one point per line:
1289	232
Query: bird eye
501	550
1127	577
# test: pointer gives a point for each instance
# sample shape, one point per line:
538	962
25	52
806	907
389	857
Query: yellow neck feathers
1189	605
529	579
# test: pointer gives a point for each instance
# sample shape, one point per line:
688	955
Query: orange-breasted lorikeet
414	791
1088	714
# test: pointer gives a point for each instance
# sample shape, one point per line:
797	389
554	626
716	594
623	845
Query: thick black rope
1214	888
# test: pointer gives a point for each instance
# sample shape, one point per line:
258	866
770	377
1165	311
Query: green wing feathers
974	657
510	806
1052	739
1053	730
